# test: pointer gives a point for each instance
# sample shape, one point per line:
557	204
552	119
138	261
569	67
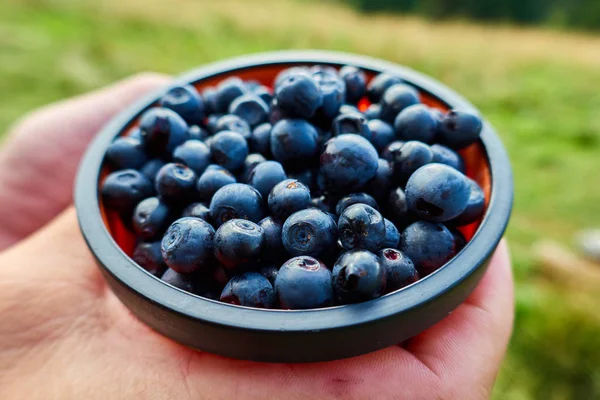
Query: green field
538	88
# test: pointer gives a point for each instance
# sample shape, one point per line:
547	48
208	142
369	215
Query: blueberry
175	183
333	91
348	162
356	83
125	153
293	142
304	282
284	74
270	272
162	130
210	100
397	206
194	154
399	270
320	69
459	240
187	246
135	133
180	281
260	140
380	185
149	257
185	101
211	123
151	168
249	290
276	114
382	134
213	179
238	244
123	190
227	91
428	244
459	129
229	149
416	122
475	205
392	236
306	176
309	232
445	155
379	84
411	156
357	276
395	99
233	123
322	203
391	150
151	218
437	192
348	109
360	226
265	176
351	123
354	198
252	85
373	111
298	95
197	210
250	108
287	197
273	248
250	162
263	93
236	200
195	132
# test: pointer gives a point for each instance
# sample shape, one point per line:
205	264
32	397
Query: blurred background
531	66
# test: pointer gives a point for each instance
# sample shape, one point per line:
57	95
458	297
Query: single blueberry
209	95
197	210
149	257
380	185
382	134
265	176
475	205
194	154
229	149
428	244
395	99
379	84
263	93
399	270
293	142
227	91
249	290
392	235
411	156
236	200
287	197
333	92
250	108
391	150
437	192
360	226
238	244
211	123
445	155
213	179
351	123
175	183
309	232
355	198
180	281
151	218
125	153
348	109
187	246
260	140
270	272
304	282
250	162
196	132
357	276
373	111
298	95
273	248
416	122
123	190
348	162
284	74
233	123
459	129
185	101
162	130
356	83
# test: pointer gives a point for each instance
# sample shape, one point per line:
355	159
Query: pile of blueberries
292	197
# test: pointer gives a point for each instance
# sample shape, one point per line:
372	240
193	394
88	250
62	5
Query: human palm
65	335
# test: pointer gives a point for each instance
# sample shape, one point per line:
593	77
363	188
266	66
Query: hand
64	335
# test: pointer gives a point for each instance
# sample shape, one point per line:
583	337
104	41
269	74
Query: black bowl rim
152	289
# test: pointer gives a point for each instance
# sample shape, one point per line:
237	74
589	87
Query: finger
40	157
466	348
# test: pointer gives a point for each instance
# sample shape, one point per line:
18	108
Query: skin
64	335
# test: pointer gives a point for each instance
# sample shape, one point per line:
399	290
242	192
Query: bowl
294	335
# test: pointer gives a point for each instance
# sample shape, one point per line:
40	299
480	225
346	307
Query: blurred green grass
537	87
